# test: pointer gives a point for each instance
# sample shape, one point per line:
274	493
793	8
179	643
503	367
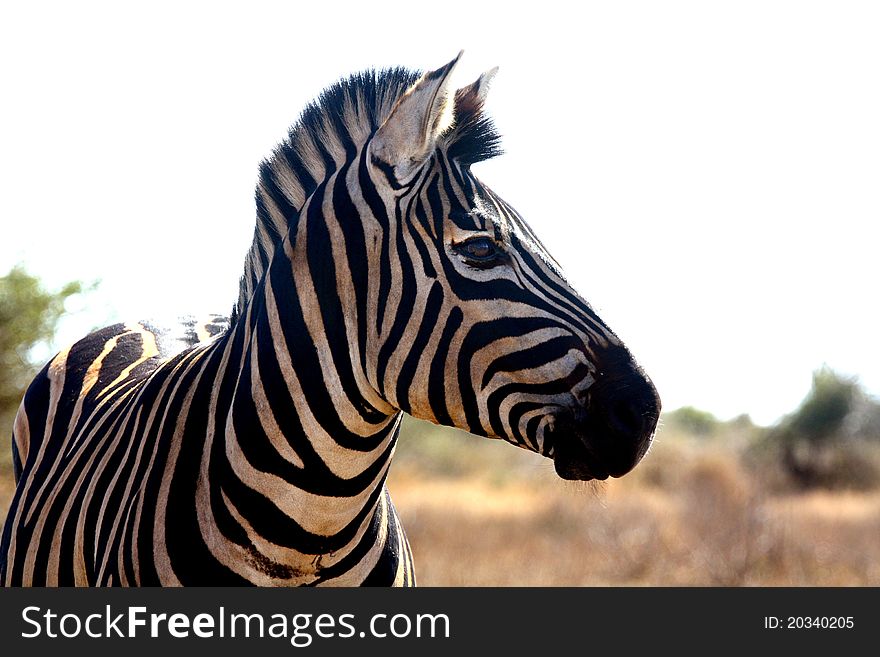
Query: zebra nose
629	417
623	410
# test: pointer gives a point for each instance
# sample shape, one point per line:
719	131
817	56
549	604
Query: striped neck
301	478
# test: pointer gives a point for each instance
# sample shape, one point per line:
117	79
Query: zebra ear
422	114
478	89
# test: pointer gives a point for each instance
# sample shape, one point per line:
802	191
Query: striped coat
383	277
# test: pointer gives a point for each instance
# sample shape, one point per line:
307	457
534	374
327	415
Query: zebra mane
328	133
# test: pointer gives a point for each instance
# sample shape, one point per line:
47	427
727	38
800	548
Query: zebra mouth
573	458
584	446
574	462
608	433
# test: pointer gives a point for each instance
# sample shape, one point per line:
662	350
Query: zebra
383	278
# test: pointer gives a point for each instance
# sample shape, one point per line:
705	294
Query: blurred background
705	173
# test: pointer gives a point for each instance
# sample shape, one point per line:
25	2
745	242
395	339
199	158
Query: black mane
327	133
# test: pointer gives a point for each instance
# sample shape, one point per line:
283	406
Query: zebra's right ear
478	89
409	134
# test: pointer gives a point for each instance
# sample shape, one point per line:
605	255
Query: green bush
29	315
829	441
693	421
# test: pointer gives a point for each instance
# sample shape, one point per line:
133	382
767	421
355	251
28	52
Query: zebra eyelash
469	249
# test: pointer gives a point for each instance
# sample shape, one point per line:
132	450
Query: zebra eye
481	250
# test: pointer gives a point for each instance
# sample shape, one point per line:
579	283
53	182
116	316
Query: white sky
708	174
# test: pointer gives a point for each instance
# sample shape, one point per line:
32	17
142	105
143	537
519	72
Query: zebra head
424	291
480	330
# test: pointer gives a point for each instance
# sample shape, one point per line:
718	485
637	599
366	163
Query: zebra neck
301	476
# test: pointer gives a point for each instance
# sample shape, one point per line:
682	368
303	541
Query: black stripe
477	337
405	379
356	253
573	308
273	525
223	519
308	367
403	312
530	357
516	412
545	388
417	211
322	268
385	570
377	210
183	538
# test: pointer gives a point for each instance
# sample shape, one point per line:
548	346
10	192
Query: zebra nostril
626	418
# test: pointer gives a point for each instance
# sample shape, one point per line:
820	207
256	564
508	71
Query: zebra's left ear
422	114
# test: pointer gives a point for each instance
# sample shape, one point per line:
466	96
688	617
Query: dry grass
482	513
691	515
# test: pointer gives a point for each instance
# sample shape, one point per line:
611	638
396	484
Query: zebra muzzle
611	432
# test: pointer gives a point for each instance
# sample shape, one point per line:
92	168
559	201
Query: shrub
693	421
827	441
